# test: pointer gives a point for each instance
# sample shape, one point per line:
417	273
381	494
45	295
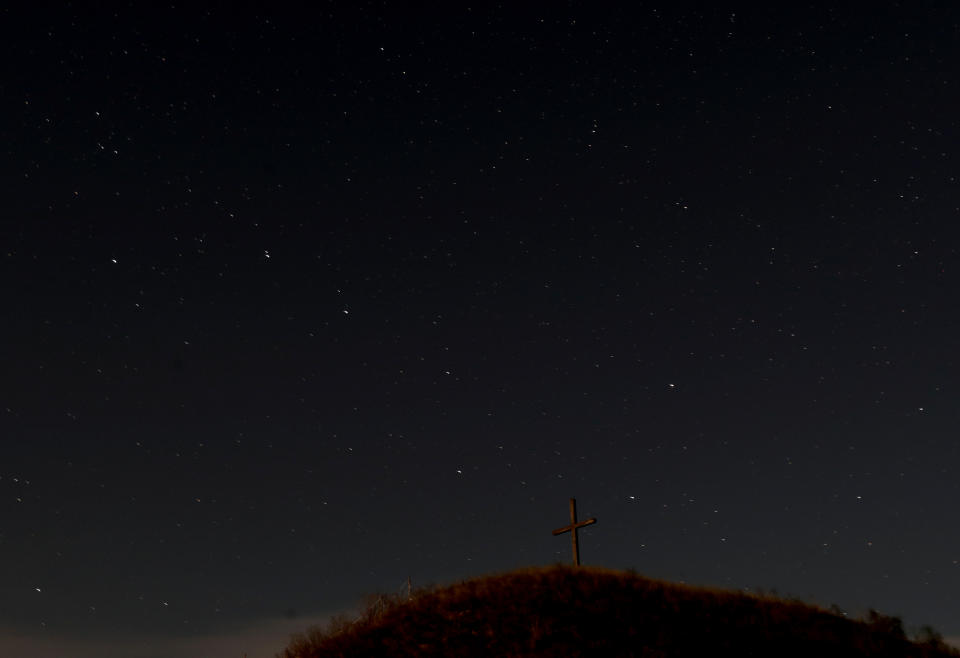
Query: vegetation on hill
568	611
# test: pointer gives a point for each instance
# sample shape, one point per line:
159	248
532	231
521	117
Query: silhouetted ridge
565	611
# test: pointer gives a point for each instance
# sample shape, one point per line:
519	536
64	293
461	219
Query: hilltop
568	611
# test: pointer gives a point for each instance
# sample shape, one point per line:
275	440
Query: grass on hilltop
567	611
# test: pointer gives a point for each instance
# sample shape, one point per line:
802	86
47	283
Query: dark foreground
563	611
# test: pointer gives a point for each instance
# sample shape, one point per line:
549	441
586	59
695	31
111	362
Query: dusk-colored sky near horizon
297	305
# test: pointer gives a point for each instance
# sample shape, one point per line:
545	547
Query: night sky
297	305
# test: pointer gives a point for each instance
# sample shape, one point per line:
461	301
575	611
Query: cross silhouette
572	529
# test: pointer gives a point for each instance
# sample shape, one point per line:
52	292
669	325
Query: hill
568	611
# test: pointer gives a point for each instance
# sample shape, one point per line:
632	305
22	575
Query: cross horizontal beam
575	526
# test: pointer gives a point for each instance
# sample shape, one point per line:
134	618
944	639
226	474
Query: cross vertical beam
572	529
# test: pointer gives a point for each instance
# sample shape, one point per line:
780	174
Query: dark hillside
563	611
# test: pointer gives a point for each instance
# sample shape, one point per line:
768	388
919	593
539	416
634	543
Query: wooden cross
572	529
